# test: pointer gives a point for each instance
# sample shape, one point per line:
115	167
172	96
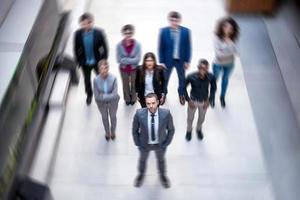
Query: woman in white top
227	32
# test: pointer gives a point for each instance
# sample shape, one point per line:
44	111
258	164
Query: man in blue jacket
175	51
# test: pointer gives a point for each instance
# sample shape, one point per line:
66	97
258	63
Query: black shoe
107	137
132	103
200	134
127	103
165	181
188	136
223	104
139	180
113	136
88	100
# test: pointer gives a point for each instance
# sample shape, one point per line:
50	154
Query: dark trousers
143	102
180	73
160	156
86	70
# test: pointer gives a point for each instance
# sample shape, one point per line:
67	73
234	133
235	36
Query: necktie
152	127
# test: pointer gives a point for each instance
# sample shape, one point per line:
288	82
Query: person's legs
181	77
103	108
201	115
95	67
190	118
216	70
87	80
144	153
161	163
167	74
126	87
143	102
113	107
142	165
132	86
227	70
160	156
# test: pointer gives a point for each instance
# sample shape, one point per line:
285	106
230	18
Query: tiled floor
227	164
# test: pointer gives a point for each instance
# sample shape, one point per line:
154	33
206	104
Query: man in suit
90	47
152	130
175	51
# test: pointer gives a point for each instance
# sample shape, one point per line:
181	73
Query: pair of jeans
180	73
226	71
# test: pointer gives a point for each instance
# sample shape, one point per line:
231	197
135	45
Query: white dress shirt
149	82
156	141
176	38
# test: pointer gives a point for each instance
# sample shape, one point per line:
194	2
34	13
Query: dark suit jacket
158	82
100	46
166	46
140	127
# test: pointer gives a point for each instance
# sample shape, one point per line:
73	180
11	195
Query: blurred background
52	145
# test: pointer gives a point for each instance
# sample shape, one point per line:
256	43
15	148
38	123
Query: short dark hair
203	62
174	14
150	95
219	28
85	16
127	27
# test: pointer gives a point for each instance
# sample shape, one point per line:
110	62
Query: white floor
227	164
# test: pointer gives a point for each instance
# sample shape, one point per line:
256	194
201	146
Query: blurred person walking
90	47
174	50
227	33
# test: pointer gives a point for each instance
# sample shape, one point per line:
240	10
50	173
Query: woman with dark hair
227	33
150	79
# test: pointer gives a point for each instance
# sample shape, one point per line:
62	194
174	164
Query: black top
158	81
199	90
100	46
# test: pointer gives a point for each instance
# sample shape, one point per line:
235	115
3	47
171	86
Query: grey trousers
128	82
160	156
191	114
108	111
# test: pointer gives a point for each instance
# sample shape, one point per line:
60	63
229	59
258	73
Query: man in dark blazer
152	130
175	51
90	47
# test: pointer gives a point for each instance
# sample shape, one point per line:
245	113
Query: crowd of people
152	127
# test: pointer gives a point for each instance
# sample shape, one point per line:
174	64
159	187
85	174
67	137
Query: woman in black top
150	79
